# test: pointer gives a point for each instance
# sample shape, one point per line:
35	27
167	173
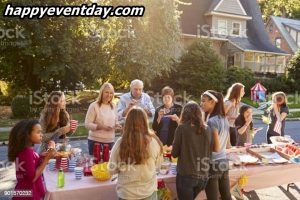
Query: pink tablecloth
90	189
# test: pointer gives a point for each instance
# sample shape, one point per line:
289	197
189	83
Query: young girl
54	119
278	112
29	168
244	126
232	104
213	106
135	157
192	144
101	119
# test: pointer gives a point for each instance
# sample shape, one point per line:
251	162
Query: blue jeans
188	188
91	146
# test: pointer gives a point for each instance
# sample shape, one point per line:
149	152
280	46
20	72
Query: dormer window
236	28
278	42
222	27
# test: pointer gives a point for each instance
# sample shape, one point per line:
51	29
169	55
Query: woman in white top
135	157
232	105
101	119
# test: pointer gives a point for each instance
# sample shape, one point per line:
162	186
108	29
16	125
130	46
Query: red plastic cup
97	152
73	125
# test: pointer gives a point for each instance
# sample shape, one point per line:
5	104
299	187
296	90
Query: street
7	171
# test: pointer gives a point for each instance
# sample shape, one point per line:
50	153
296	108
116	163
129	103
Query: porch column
242	60
276	67
254	62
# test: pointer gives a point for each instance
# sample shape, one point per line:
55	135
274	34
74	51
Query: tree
199	69
283	8
294	72
60	51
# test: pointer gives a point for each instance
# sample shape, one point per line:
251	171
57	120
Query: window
278	42
222	27
236	28
298	41
294	34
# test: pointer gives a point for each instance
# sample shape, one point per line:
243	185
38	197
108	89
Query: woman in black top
277	113
166	117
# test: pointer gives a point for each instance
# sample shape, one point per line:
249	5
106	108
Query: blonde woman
101	119
278	112
54	119
135	157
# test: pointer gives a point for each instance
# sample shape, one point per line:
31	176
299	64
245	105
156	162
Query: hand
174	117
161	113
118	127
51	144
51	153
275	107
132	103
108	128
249	120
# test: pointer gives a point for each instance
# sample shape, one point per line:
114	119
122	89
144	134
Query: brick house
237	32
284	33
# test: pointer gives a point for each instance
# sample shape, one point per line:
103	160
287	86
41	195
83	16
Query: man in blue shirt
136	97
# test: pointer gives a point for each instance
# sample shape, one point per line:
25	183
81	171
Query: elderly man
136	97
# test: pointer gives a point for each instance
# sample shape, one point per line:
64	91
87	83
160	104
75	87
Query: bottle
61	179
105	154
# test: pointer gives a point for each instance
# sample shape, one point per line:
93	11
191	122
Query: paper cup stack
72	165
78	172
174	168
52	164
64	164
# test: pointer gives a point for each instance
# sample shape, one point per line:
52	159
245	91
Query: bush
5	100
241	75
21	107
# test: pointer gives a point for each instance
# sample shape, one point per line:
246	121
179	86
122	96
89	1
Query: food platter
280	140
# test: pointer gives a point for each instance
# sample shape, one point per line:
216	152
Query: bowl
100	172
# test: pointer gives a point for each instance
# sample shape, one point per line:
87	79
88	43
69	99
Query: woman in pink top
29	167
101	119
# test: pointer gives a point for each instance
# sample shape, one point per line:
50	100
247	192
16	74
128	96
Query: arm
122	110
155	122
90	119
227	105
177	143
216	141
29	164
113	160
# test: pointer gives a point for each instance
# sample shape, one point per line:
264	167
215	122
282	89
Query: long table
90	189
259	177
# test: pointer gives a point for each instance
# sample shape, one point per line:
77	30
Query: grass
4	136
78	116
294	115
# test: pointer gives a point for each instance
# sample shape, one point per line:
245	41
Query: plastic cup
52	164
78	173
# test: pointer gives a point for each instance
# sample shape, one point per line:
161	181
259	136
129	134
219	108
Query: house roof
194	22
280	22
227	6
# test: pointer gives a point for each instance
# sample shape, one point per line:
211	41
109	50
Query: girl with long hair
135	157
278	112
232	105
213	106
54	119
193	145
29	167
